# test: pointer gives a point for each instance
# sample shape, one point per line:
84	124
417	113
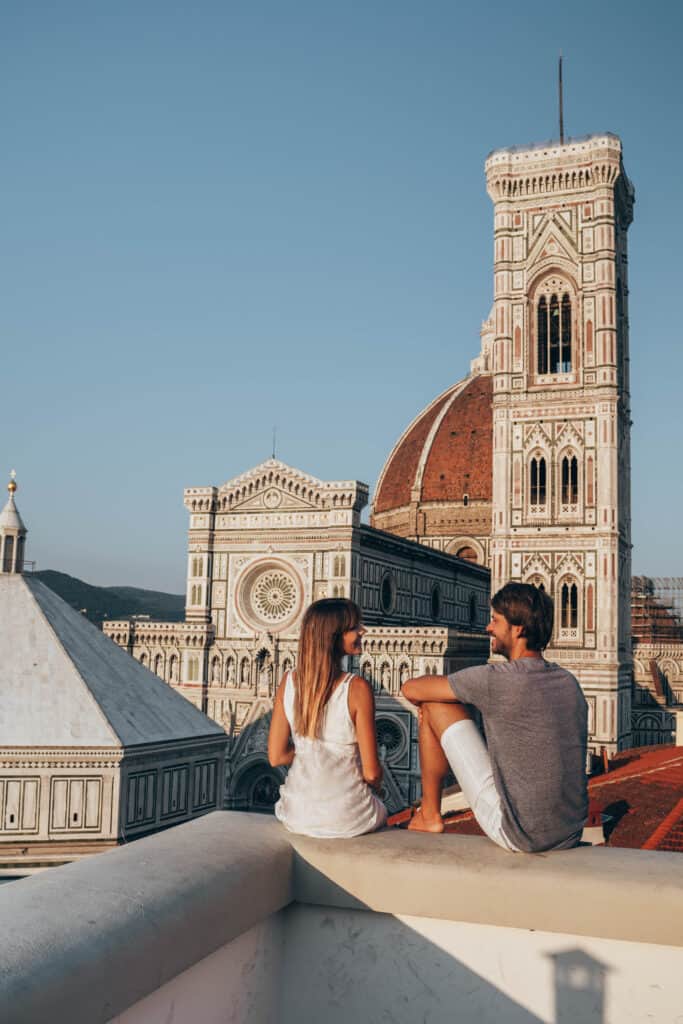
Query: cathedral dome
436	482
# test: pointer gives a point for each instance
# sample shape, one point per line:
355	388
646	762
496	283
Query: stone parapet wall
342	930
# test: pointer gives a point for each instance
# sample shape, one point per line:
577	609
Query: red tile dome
437	480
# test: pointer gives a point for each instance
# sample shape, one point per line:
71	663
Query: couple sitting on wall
526	784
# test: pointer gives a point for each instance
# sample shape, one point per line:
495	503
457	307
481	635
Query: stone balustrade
227	918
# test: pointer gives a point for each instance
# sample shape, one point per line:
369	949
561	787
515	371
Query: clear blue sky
222	216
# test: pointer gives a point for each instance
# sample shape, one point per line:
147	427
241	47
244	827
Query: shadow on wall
376	967
579	982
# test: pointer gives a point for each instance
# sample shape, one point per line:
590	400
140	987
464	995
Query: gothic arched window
566	335
542	335
537	481
339	565
570	480
569	606
554	334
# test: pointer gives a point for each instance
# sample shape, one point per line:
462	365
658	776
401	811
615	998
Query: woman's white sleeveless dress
325	794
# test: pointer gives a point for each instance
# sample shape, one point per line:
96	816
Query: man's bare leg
434	719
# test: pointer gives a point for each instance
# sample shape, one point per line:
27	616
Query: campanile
561	513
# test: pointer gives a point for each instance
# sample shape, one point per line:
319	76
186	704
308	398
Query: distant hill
100	603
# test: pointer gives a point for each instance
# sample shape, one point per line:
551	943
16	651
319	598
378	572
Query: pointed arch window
542	335
538	489
554	334
8	554
570	480
566	335
569	606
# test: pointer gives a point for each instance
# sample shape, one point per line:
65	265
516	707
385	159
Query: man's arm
429	688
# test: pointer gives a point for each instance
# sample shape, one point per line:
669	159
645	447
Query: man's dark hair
530	607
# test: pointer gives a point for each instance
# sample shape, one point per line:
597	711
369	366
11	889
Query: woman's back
325	794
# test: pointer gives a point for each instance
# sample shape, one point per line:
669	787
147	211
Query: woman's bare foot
419	823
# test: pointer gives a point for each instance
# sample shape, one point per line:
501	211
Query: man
527	784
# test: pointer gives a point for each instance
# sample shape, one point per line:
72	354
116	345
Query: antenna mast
559	83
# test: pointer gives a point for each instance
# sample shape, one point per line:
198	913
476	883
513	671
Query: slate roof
64	683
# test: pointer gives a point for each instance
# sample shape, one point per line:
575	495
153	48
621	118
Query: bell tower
561	416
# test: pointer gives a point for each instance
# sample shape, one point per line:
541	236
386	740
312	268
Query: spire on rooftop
12	533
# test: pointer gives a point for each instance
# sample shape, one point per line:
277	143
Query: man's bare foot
418	822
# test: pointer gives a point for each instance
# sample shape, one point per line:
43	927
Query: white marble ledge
632	895
84	942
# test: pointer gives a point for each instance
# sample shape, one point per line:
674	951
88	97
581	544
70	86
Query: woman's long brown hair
319	661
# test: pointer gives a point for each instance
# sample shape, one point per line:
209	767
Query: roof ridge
442	397
620	775
456	391
665	827
30	584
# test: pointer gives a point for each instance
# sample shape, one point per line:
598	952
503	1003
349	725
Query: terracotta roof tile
642	796
459	458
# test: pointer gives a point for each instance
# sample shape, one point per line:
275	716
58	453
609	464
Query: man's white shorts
469	759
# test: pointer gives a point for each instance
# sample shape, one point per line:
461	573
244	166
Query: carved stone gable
569	434
272	499
570	564
554	242
270	486
537	565
536	436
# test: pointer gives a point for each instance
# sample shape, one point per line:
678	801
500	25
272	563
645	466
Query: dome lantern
12	533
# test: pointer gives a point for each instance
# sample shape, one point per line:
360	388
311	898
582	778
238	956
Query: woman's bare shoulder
359	689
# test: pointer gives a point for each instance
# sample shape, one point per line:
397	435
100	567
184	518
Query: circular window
387	593
270	596
436	601
272	498
467	552
390	735
274	595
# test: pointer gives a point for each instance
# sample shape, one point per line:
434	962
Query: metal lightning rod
559	83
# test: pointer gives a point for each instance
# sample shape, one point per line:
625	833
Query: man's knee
441	716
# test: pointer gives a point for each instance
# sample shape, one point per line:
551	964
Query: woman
323	728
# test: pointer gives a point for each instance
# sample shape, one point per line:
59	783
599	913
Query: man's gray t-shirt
535	719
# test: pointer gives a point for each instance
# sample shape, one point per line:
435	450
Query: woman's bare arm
429	688
280	749
362	710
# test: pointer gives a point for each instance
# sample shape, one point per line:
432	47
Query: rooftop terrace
227	918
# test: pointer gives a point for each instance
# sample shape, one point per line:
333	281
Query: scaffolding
657	609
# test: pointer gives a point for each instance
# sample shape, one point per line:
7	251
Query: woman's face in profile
352	640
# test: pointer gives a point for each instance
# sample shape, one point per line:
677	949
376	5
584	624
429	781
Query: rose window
389	735
274	595
270	596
